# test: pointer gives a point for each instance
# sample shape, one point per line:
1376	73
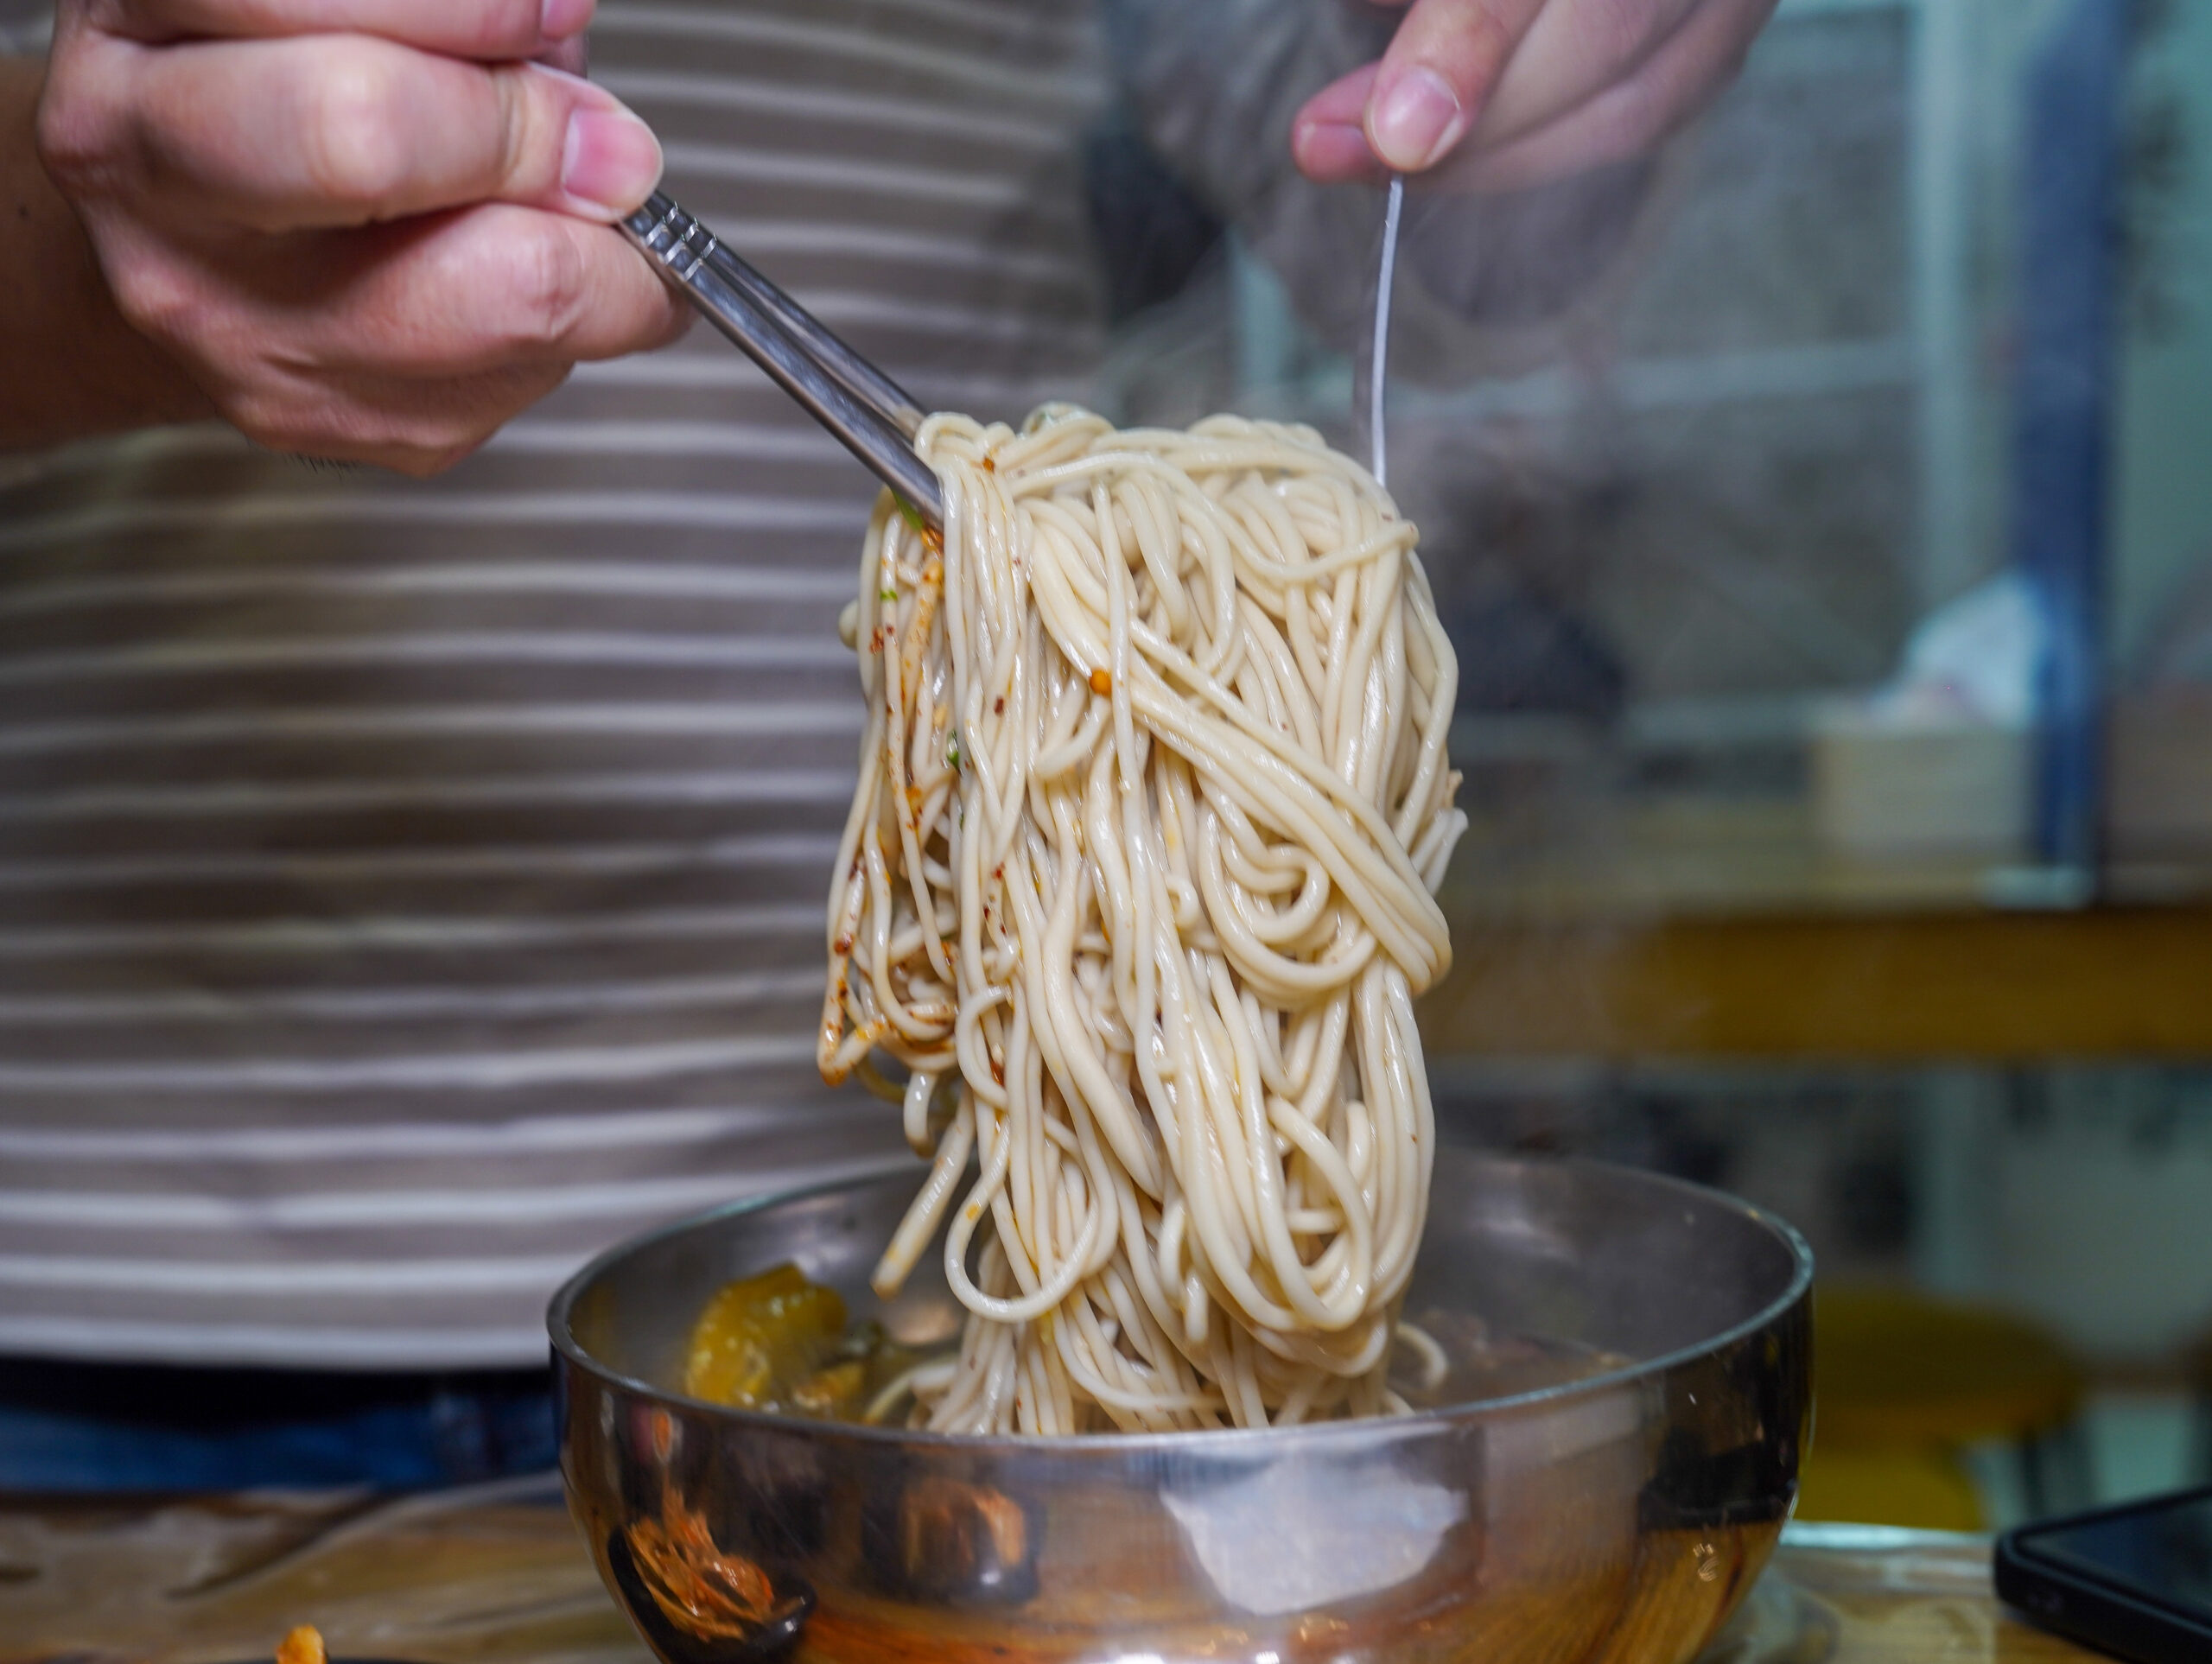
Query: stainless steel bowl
1619	1516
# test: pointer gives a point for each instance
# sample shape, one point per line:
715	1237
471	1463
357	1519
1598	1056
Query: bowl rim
1240	1440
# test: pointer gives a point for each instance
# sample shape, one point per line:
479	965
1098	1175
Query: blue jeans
70	1427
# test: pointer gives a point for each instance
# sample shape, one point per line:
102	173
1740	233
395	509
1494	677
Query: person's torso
406	889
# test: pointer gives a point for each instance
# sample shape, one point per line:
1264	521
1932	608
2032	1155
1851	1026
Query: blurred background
1830	552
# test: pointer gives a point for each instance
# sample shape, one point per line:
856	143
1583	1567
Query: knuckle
75	134
158	300
550	286
354	149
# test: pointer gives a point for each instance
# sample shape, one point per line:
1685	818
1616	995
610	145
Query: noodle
1138	884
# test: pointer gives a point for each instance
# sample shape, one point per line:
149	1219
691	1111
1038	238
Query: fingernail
561	18
1415	121
612	162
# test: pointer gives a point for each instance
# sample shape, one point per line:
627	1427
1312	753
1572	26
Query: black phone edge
2056	1596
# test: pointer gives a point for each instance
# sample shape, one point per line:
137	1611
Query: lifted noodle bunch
1138	885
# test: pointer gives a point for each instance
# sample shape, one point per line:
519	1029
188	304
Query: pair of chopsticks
867	411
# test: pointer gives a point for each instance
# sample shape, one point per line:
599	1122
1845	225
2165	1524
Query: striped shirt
407	889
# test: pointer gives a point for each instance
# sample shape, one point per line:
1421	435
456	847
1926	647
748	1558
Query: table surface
497	1574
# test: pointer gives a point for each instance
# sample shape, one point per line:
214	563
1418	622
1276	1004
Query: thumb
1437	73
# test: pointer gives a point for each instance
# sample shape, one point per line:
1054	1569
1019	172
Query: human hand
368	230
1502	95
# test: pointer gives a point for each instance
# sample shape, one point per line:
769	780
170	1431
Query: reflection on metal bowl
1617	1516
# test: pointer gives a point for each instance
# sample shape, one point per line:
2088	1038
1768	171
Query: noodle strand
1138	884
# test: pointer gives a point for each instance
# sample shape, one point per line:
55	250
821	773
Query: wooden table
497	1576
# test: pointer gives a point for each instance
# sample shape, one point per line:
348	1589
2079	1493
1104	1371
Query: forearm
70	367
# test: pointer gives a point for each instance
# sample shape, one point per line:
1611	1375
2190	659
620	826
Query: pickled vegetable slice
761	1336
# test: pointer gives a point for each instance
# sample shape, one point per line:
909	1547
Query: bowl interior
1578	1254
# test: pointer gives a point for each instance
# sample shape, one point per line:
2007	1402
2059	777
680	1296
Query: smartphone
2134	1581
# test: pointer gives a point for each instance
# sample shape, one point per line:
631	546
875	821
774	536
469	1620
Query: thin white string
1378	365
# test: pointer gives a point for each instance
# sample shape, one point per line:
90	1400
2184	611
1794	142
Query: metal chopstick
864	408
859	377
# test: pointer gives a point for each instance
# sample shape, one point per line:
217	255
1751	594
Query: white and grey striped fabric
406	890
